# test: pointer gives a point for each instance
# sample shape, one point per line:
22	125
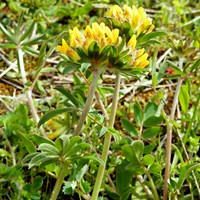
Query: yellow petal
127	12
143	57
98	32
88	32
132	42
139	52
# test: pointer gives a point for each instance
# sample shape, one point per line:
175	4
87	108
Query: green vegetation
96	103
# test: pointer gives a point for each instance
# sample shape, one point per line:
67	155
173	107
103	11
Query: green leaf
85	186
32	41
69	187
103	131
138	113
42	157
150	110
8	45
162	70
69	95
85	66
4	153
70	68
68	145
99	160
153	121
28	31
42	54
134	152
37	183
54	113
81	173
196	65
104	53
78	148
144	38
114	133
27	143
129	127
48	148
155	168
29	50
185	172
39	139
123	177
93	49
148	159
8	34
184	99
151	132
175	68
149	148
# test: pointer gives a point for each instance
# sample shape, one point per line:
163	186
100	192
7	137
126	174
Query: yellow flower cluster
103	37
137	18
100	33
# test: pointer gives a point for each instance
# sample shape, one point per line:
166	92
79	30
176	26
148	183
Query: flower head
101	34
137	18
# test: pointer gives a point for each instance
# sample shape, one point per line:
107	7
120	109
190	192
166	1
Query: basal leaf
48	148
42	157
130	128
54	113
69	95
151	132
153	121
27	143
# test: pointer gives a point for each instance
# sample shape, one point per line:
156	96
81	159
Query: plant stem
24	80
153	187
107	140
59	182
90	97
169	134
28	92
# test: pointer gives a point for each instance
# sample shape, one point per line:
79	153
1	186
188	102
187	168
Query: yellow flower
76	38
132	42
67	50
112	36
141	59
117	13
137	18
98	31
127	12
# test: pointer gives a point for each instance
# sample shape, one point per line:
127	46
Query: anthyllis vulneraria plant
115	46
101	48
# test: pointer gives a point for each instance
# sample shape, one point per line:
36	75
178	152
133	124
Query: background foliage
135	169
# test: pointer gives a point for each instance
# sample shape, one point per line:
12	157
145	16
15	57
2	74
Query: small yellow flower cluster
137	18
100	33
103	37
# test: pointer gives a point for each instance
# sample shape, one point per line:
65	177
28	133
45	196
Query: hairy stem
59	182
88	103
107	140
169	135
